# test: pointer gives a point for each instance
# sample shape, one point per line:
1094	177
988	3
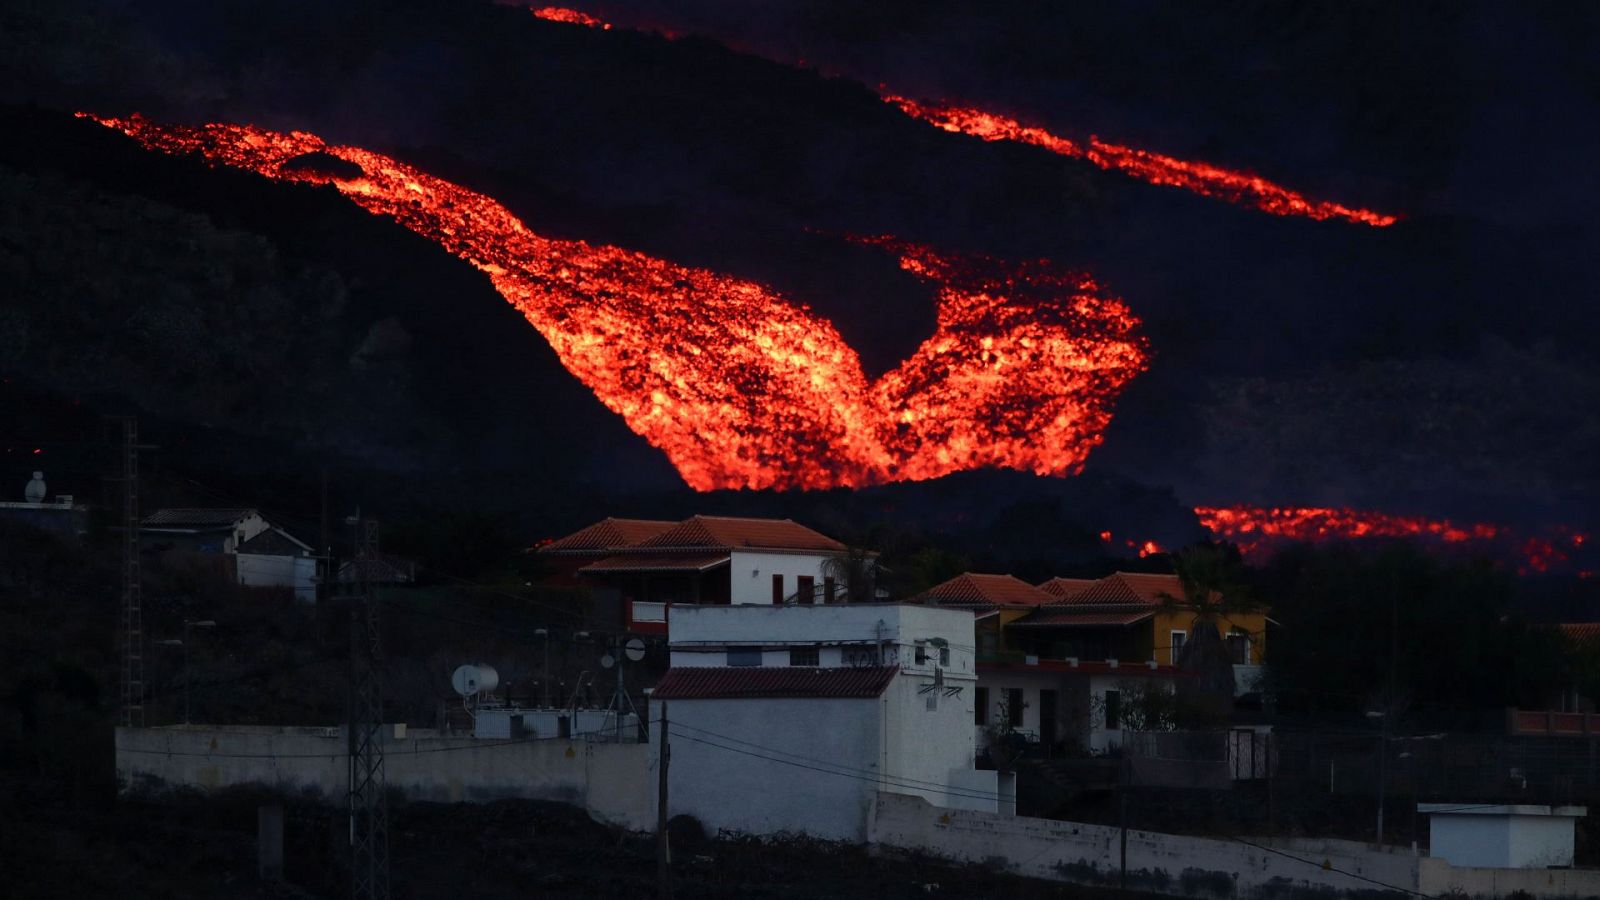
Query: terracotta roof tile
974	589
727	533
1062	616
607	534
657	562
753	682
1066	587
1584	634
1127	588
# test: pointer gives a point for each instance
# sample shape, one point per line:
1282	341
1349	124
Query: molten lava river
1205	179
739	386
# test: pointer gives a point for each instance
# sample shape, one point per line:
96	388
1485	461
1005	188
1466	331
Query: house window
980	713
1239	646
944	656
744	656
1014	707
805	656
860	656
777	590
807	591
1178	639
1113	710
921	657
828	589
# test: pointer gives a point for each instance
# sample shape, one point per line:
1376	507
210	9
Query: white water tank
35	491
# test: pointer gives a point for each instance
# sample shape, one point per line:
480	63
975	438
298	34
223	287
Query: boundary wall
613	782
1184	866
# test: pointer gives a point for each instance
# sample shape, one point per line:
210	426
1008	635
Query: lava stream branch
739	386
1257	529
1205	179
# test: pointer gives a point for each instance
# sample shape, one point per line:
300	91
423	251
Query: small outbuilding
1502	835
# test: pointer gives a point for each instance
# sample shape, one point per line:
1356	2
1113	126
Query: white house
201	530
790	718
648	566
274	558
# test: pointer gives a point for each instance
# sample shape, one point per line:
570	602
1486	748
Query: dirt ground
206	848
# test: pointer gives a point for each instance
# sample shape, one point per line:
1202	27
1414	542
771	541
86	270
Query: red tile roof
752	682
727	533
973	589
607	534
1066	587
1063	615
1584	634
1128	588
656	562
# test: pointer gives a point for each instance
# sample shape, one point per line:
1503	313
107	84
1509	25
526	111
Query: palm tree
856	569
1214	591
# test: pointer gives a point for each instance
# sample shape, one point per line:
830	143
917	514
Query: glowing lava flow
1255	528
737	385
1207	180
1242	188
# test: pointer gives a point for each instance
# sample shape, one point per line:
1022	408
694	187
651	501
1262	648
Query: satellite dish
607	661
634	649
469	681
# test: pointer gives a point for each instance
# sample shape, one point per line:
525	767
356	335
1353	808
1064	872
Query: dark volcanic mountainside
276	327
1292	361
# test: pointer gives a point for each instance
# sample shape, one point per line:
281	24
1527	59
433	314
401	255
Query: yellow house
1125	616
996	601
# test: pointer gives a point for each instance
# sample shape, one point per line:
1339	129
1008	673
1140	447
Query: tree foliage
1461	645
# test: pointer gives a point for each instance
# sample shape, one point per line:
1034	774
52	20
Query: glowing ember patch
736	384
570	17
1256	528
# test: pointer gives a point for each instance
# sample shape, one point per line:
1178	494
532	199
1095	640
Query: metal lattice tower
369	813
132	635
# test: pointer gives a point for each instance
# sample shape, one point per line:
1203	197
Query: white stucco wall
299	573
751	574
697	629
770	766
1503	836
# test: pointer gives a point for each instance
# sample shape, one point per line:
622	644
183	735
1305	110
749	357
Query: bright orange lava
1202	178
736	384
570	17
1243	188
1254	528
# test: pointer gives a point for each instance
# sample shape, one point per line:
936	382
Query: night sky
1442	366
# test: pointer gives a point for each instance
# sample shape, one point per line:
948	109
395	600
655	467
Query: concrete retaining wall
1439	878
1197	867
1160	863
614	782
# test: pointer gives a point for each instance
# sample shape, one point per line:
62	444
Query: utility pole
663	849
1122	816
132	632
369	815
1387	712
544	679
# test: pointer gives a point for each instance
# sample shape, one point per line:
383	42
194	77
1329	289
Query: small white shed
1502	836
